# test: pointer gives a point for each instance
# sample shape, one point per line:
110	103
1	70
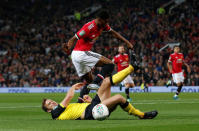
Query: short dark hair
43	105
103	14
176	46
121	45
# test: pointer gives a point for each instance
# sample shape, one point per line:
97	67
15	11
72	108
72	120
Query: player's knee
107	81
127	85
119	97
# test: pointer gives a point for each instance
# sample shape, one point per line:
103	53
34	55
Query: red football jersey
177	61
87	35
122	61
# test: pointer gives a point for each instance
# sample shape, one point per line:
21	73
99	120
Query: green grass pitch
22	112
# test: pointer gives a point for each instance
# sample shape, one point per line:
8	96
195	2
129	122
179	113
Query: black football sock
127	93
83	92
106	71
179	90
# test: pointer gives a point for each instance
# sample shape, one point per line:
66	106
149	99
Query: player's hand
188	70
87	99
66	48
77	86
130	46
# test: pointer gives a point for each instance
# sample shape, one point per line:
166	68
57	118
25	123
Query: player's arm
70	93
188	67
67	46
169	65
118	36
71	41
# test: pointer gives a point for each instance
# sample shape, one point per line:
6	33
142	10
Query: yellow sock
142	86
133	111
118	77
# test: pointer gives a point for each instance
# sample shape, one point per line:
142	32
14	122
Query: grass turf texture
22	112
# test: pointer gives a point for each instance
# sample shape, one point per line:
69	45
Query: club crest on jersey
82	33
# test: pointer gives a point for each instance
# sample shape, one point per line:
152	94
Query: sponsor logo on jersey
82	33
179	61
90	26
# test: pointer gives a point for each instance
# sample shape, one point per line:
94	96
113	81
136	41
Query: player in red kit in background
175	62
84	59
122	62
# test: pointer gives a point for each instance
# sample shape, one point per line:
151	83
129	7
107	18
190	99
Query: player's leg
179	85
84	63
116	100
178	79
104	91
128	82
146	87
127	86
84	91
107	68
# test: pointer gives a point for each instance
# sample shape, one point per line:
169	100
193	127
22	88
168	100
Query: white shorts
128	79
178	77
84	61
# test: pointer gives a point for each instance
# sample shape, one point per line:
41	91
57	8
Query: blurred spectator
32	31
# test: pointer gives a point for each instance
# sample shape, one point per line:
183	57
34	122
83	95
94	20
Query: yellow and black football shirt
72	112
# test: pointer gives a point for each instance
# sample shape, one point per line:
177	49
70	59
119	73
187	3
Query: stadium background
31	34
32	31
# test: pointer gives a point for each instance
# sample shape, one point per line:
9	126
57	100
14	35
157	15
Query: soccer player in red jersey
122	62
82	56
175	62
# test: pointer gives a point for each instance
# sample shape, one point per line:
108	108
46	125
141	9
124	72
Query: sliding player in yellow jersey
83	111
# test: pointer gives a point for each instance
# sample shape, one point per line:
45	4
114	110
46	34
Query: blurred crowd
32	33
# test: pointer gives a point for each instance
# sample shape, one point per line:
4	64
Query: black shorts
89	108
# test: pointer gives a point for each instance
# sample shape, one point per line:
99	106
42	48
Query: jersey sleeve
115	60
107	28
170	59
83	32
56	112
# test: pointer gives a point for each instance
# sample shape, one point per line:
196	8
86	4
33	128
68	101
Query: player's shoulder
173	54
90	25
57	111
125	54
118	55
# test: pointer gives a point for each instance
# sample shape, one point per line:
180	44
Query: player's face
103	23
176	49
121	49
50	104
